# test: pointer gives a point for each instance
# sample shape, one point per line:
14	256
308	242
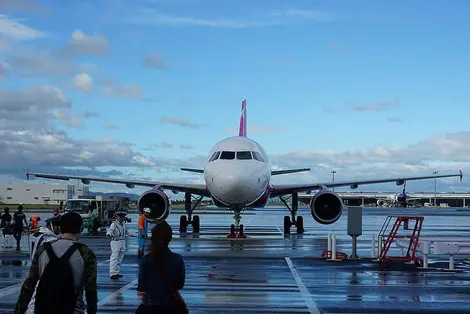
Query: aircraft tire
196	224
300	224
287	224
183	223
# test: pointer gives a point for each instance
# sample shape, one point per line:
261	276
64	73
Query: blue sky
320	78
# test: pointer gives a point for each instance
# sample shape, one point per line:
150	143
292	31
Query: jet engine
158	203
326	207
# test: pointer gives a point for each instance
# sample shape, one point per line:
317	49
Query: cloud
378	106
111	126
154	61
315	15
256	129
394	119
86	45
31	137
112	88
338	49
83	82
153	17
180	122
186	146
3	71
14	29
21	5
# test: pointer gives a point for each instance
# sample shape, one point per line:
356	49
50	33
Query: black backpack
55	293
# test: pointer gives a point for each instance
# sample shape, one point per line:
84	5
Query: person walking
142	225
60	273
7	230
118	233
18	218
161	275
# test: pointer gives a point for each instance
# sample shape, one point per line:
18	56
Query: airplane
237	175
401	199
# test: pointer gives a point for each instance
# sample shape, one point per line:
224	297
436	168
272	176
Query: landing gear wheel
183	223
287	224
196	224
232	231
300	224
240	232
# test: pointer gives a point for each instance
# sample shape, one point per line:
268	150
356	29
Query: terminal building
33	193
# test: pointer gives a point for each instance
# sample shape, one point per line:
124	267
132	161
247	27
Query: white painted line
312	307
280	231
10	289
114	294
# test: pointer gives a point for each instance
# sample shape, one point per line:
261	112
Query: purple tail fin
242	129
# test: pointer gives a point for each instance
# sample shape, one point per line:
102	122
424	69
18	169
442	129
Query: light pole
333	173
435	187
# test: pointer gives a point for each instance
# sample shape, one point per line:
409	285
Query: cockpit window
244	155
227	155
215	156
257	156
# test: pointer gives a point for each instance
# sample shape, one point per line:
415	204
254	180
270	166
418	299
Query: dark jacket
153	285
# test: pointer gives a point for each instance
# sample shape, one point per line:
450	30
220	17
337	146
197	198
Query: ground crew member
56	212
35	222
50	233
142	225
18	218
117	232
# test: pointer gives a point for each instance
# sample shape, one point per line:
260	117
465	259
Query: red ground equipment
393	234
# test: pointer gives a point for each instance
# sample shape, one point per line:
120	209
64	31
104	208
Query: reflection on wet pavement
254	276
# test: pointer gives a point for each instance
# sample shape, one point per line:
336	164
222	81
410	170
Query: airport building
29	193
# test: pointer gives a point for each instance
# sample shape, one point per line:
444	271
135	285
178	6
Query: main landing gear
292	221
189	219
236	229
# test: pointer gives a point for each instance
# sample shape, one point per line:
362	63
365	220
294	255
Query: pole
435	188
333	173
354	248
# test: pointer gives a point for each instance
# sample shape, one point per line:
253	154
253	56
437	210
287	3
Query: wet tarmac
267	273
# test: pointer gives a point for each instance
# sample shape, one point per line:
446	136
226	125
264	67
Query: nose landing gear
292	221
237	227
189	220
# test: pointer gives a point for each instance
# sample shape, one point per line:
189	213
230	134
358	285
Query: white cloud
154	61
111	126
180	122
83	82
111	88
14	29
82	44
377	106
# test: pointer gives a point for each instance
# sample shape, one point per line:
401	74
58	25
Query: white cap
147	210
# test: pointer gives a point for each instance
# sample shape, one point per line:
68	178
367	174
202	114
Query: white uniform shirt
117	230
38	238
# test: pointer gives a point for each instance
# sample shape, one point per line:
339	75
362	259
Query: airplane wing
193	170
279	190
277	172
198	189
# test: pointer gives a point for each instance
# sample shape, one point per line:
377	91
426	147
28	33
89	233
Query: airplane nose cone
236	189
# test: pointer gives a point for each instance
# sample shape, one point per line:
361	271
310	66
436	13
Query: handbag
178	304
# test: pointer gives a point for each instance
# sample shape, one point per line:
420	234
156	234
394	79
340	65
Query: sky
138	89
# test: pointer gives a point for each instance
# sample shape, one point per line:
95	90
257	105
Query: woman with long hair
161	275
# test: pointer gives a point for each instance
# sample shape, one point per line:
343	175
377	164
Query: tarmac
270	273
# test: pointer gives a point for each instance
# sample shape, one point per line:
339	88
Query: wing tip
460	175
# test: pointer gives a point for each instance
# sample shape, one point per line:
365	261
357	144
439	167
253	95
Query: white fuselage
237	171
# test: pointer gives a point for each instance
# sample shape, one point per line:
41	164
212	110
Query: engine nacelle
326	207
158	203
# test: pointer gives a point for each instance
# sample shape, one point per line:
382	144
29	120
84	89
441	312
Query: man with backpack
60	272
